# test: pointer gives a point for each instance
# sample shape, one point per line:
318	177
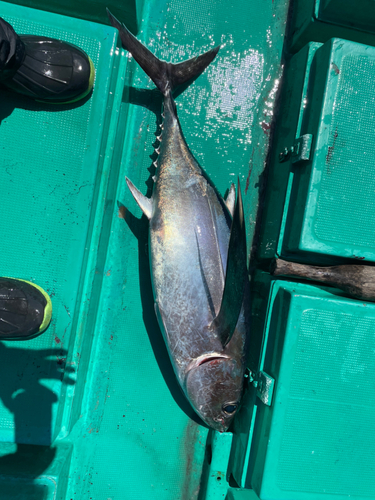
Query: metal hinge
265	385
300	151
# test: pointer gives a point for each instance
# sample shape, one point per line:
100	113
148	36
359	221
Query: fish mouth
219	425
204	359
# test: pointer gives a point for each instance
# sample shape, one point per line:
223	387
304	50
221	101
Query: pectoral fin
230	200
145	204
235	278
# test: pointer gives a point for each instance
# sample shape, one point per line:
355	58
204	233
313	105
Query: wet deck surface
143	425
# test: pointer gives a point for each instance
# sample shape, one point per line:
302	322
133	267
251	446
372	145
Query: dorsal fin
235	278
145	204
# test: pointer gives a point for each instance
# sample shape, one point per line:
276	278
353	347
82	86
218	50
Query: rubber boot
25	309
43	68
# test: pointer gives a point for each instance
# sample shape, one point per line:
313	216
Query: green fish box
312	436
321	191
320	20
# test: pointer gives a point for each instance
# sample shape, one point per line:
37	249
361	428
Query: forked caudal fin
166	76
235	278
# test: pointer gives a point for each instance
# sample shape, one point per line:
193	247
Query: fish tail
166	76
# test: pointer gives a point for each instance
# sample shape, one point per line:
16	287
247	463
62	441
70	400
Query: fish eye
229	409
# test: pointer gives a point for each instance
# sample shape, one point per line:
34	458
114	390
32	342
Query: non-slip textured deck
138	421
50	165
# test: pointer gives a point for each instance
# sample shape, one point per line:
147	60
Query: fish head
214	386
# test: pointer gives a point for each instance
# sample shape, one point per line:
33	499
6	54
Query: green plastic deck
92	409
52	174
90	11
50	171
142	418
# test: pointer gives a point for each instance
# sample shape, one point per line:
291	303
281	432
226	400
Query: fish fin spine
144	203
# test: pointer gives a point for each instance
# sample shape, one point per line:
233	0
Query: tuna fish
197	254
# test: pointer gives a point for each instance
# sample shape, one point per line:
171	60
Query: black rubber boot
43	68
25	309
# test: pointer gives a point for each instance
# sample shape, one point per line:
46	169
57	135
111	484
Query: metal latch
300	151
265	385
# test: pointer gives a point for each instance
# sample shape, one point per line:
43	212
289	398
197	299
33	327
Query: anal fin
145	204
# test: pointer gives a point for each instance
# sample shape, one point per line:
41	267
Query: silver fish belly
190	234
